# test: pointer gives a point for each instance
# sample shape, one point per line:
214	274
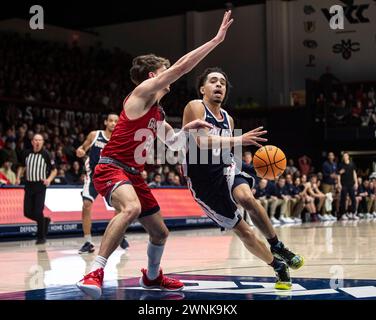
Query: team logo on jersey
152	124
99	144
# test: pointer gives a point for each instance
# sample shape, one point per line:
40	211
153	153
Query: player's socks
273	241
294	261
154	259
282	273
88	238
276	264
99	262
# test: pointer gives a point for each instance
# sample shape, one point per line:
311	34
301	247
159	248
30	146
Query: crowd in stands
72	78
304	195
87	79
343	104
41	82
63	132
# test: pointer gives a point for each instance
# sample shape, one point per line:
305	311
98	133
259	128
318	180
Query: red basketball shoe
91	284
162	282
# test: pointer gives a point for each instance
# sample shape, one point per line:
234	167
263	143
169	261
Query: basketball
269	162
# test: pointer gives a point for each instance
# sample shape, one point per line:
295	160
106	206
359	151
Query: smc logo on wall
346	48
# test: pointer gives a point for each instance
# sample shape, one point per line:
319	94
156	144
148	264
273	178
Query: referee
40	172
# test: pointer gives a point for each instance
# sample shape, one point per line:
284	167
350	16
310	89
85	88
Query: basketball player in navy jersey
218	185
94	143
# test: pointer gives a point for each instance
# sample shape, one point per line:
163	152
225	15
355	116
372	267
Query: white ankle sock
88	238
154	259
99	262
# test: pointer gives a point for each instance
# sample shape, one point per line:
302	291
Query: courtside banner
63	206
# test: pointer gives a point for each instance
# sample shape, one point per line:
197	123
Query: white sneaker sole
91	290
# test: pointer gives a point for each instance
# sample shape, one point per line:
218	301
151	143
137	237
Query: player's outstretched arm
184	64
177	140
82	149
194	110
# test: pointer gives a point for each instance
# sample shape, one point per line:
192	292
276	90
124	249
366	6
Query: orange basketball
269	162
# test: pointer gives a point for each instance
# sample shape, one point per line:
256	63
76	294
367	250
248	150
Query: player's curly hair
204	76
142	65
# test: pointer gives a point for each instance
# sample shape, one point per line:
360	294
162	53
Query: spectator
365	199
144	176
263	195
165	171
247	157
280	198
157	181
329	170
318	196
9	148
341	112
176	181
360	197
73	176
296	203
321	108
6	170
308	200
3	179
356	113
328	185
304	164
291	169
349	183
60	178
368	116
327	81
170	179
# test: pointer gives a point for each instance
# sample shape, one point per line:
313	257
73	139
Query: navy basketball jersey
96	148
212	162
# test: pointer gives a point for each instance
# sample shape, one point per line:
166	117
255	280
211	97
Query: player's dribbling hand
253	136
226	23
197	124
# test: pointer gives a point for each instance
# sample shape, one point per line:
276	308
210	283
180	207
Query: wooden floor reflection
328	247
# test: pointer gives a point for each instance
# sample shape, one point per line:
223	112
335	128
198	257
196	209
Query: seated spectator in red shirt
3	179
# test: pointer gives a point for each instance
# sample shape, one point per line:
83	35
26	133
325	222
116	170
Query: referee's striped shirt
38	165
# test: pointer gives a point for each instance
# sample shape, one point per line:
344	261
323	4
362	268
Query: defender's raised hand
226	23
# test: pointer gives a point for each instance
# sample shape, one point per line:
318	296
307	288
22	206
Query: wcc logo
353	13
346	48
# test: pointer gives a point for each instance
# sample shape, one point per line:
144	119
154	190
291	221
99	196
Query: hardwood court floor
331	249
